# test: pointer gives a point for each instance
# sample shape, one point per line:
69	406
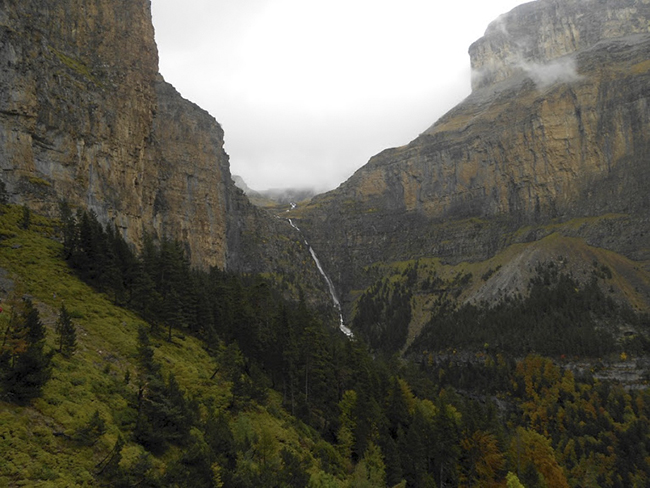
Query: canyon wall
536	34
556	129
85	116
567	138
78	100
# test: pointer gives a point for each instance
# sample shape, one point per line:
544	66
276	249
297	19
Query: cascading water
330	285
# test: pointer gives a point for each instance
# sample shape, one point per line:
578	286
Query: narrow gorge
330	285
86	117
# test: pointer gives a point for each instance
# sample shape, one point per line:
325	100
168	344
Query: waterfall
330	285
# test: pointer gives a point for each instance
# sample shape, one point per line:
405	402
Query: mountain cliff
86	117
553	139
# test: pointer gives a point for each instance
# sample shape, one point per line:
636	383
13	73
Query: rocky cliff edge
562	147
86	117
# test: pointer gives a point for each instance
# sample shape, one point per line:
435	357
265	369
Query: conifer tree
88	434
4	197
110	277
371	470
294	472
69	225
25	367
67	333
144	297
25	221
145	354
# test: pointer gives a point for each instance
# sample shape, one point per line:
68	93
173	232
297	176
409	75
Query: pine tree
110	277
25	367
24	223
69	225
144	297
88	434
148	367
109	467
512	481
67	333
4	197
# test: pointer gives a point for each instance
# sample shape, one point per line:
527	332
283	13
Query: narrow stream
330	285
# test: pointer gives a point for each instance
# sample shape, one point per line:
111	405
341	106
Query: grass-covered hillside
46	441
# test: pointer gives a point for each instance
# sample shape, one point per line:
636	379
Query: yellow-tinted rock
560	133
83	108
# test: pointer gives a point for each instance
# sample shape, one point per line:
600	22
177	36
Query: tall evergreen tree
148	367
144	297
26	220
25	367
4	197
69	228
67	333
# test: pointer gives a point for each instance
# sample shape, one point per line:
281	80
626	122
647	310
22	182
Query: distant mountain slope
555	132
274	196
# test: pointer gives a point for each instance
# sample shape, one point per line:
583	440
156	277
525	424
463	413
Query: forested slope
238	387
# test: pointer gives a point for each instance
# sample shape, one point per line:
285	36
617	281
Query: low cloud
564	70
308	92
543	74
513	50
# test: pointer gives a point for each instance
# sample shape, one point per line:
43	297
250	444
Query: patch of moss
76	66
39	181
640	68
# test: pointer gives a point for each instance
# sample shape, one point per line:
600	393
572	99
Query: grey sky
307	91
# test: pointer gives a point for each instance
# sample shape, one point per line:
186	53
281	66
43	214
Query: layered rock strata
86	117
534	36
565	139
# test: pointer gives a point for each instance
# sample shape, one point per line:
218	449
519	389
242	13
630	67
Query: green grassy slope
36	441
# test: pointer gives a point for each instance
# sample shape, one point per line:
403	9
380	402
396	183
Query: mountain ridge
524	151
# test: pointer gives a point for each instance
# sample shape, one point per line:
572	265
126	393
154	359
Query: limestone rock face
77	102
532	37
186	178
85	116
566	138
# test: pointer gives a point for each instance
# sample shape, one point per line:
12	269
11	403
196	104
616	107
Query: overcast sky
307	91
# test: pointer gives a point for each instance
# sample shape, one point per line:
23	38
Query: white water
330	285
337	304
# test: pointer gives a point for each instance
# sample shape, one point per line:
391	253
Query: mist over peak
542	42
543	74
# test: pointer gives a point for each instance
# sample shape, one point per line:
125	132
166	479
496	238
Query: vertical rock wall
85	116
536	34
